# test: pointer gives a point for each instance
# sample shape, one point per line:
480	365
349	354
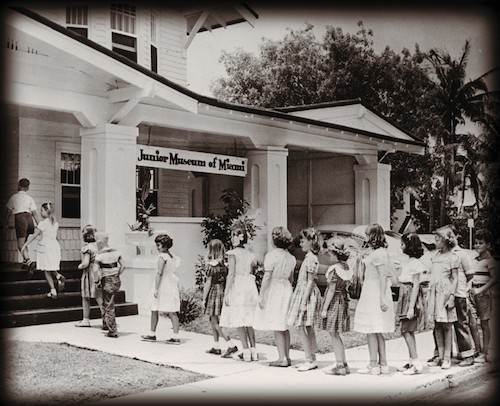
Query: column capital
372	166
268	150
110	130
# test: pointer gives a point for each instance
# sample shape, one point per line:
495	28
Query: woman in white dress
374	313
240	294
275	294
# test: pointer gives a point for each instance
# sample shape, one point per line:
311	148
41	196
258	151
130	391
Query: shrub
191	305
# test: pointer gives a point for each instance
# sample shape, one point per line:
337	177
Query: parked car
354	235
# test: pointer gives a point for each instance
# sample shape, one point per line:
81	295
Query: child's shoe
413	370
370	370
214	350
307	366
481	359
347	370
148	337
112	335
446	364
436	362
337	370
83	323
404	368
229	352
174	341
61	281
384	369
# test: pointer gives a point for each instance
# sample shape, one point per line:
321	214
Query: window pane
70	202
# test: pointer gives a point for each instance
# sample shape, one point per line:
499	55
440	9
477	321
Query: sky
446	26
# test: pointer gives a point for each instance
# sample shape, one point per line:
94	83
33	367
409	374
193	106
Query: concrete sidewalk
251	381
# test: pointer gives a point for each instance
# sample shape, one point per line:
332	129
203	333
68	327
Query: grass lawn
60	374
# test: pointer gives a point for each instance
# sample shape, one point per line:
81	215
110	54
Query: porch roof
107	87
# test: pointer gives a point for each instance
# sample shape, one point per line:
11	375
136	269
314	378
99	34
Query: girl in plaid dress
335	309
213	294
305	304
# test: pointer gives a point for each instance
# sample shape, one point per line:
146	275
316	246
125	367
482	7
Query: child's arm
309	286
328	297
85	261
31	238
159	274
263	289
414	294
491	282
450	304
382	271
206	288
230	278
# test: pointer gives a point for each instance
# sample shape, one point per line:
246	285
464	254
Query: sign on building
168	158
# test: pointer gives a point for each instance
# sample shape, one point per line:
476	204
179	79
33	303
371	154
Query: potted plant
140	230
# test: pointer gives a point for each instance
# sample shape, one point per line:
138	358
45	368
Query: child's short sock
230	343
216	345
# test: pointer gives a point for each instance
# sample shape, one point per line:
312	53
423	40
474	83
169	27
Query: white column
108	180
266	192
372	194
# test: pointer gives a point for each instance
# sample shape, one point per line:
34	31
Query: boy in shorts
485	268
24	208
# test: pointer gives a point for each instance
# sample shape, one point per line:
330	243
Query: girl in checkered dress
335	309
305	304
213	294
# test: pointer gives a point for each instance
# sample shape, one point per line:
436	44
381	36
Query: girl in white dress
275	294
374	313
48	251
164	296
240	294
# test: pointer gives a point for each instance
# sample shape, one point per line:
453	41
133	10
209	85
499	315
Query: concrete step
35	287
21	318
41	301
23	299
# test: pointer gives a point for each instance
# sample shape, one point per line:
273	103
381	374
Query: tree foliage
424	93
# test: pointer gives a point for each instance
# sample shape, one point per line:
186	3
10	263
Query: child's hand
262	304
323	314
226	301
156	293
450	303
410	314
383	306
80	266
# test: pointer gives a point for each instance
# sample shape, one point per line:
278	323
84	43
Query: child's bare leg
86	308
214	323
287	345
448	339
154	320
306	344
50	281
251	336
381	349
440	341
311	334
338	348
372	340
175	321
280	340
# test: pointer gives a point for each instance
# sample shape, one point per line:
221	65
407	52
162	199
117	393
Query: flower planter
143	241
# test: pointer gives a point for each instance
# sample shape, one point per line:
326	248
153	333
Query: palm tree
455	101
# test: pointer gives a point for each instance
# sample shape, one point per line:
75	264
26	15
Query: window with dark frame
77	19
124	42
70	185
152	198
